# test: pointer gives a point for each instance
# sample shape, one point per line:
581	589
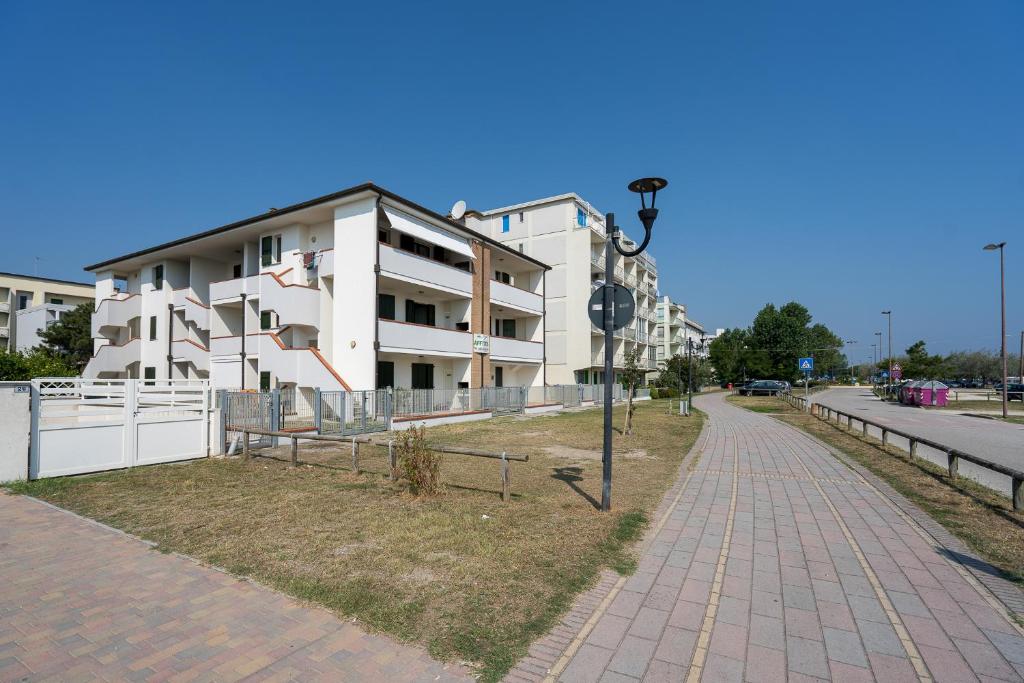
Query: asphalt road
992	440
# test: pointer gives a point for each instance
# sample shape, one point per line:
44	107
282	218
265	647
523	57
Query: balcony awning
429	233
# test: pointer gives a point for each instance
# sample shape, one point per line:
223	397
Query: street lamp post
647	215
888	314
1002	304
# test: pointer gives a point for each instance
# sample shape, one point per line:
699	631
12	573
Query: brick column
480	313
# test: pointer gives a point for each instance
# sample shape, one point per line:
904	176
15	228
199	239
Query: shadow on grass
572	476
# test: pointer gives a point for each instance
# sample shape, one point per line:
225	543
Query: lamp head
993	246
642	186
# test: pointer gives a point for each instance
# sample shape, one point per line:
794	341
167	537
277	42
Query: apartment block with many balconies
675	328
359	289
40	301
567	233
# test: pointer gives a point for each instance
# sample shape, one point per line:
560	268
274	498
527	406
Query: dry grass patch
469	577
761	404
983	519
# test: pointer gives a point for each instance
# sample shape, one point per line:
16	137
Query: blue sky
851	156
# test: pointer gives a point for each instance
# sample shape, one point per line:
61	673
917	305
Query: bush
654	393
419	465
668	392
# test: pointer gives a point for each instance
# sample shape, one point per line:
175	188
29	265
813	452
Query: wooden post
506	484
1018	494
295	451
913	448
245	445
863	428
355	456
954	463
885	436
392	460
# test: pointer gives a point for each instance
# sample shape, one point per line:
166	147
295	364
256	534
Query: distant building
31	321
21	292
675	328
568	233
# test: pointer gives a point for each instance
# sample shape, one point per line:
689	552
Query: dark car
761	387
1015	392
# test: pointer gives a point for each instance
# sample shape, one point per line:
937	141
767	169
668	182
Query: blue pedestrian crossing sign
806	364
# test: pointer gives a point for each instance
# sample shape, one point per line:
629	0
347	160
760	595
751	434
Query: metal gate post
275	414
131	404
33	443
222	405
362	420
317	412
389	397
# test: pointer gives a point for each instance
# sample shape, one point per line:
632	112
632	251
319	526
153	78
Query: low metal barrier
953	455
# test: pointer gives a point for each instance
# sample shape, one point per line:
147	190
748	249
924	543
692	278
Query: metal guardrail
953	455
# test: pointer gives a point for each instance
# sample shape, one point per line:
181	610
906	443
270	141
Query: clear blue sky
852	156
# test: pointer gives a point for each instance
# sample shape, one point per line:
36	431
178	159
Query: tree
19	367
676	371
70	337
918	364
632	375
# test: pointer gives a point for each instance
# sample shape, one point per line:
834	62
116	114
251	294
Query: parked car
761	387
1015	392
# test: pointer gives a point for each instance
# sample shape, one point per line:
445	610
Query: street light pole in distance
888	314
1002	304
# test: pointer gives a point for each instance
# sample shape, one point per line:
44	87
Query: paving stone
721	669
880	638
765	665
632	656
648	623
608	631
806	656
729	640
844	646
676	646
767	632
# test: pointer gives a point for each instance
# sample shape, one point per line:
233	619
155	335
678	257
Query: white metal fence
86	425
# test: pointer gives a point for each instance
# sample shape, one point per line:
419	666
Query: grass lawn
1012	406
761	404
464	574
983	519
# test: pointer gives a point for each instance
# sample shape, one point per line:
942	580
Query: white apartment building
359	289
675	328
29	322
22	292
567	233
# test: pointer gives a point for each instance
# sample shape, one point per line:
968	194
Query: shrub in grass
420	466
654	392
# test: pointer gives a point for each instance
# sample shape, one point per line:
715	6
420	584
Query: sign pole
609	368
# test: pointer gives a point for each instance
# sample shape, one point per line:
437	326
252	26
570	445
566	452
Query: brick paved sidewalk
81	602
777	562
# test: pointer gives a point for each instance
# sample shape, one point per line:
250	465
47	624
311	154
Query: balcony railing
116	312
187	350
618	360
5	332
424	272
112	358
516	350
229	291
232	346
294	304
5	307
507	295
402	337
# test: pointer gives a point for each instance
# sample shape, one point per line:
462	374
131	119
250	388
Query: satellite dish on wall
458	210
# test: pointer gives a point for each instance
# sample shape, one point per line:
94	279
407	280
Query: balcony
5	307
513	297
306	367
425	272
195	311
294	304
230	291
188	351
618	360
5	332
116	312
516	350
400	337
232	346
112	358
325	263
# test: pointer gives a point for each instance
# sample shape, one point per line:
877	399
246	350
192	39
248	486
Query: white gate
88	425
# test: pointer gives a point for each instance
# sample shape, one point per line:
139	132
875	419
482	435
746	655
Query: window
423	250
439	254
499	376
504	224
421	314
581	218
23	301
462	326
270	250
522	217
55	300
407	243
264	380
384	236
149	373
385	374
386	306
268	320
502	276
422	376
152	328
236	271
158	277
463	385
505	328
